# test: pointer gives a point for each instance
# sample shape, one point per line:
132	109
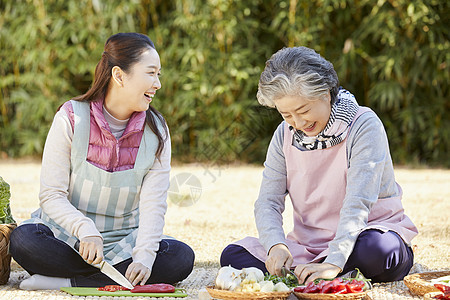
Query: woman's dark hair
124	50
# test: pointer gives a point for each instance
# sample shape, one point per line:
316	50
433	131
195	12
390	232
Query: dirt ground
214	206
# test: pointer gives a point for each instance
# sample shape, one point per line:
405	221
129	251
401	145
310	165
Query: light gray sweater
370	176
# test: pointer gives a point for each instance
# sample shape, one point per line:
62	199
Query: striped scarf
342	113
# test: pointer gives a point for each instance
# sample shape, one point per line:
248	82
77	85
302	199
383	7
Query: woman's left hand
310	272
137	272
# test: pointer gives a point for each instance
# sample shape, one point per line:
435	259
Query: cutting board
85	291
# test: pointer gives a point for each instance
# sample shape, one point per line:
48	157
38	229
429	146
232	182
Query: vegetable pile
112	288
445	289
335	286
340	285
5	210
247	280
290	280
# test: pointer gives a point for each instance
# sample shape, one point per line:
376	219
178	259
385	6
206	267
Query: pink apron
318	200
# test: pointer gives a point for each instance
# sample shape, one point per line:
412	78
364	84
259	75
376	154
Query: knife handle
99	265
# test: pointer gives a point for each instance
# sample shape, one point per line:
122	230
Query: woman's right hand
279	256
91	249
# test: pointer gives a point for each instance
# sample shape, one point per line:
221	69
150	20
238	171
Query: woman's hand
137	272
310	272
91	249
279	256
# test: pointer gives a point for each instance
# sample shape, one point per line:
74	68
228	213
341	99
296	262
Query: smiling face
142	81
309	116
133	91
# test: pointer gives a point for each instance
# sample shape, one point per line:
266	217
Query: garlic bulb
253	273
228	278
245	280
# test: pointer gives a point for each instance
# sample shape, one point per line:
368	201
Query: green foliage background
392	54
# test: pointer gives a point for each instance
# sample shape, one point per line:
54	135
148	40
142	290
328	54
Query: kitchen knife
112	273
285	272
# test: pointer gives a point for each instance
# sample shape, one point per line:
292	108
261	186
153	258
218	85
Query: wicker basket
331	296
419	284
5	257
224	294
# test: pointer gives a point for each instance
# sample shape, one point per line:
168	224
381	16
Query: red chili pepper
112	288
442	287
327	287
340	288
299	289
311	288
335	286
355	286
321	285
154	288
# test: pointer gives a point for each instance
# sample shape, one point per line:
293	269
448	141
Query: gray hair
297	71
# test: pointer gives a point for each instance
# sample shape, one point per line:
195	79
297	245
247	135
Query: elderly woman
331	156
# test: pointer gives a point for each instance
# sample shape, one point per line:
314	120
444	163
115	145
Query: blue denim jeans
380	256
36	249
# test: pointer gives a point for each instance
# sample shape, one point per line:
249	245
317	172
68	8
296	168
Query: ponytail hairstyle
124	50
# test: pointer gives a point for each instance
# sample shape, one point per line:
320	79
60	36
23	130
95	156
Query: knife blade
285	272
112	273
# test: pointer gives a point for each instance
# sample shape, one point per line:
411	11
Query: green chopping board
85	291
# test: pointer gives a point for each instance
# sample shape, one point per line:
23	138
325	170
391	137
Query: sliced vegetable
445	289
355	286
311	288
112	288
335	286
442	296
154	288
281	287
266	286
300	289
290	280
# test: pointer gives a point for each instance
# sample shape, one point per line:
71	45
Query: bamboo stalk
292	9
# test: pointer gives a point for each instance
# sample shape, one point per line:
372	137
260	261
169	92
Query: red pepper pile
112	288
335	286
445	289
149	288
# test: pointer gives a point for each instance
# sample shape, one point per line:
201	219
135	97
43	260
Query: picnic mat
199	278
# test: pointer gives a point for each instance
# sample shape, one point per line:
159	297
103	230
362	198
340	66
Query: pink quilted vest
105	151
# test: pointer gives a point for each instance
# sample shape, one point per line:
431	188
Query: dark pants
36	249
380	256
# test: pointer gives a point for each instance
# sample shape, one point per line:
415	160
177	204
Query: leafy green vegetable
5	210
289	280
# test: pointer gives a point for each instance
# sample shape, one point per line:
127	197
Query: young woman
104	180
331	156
